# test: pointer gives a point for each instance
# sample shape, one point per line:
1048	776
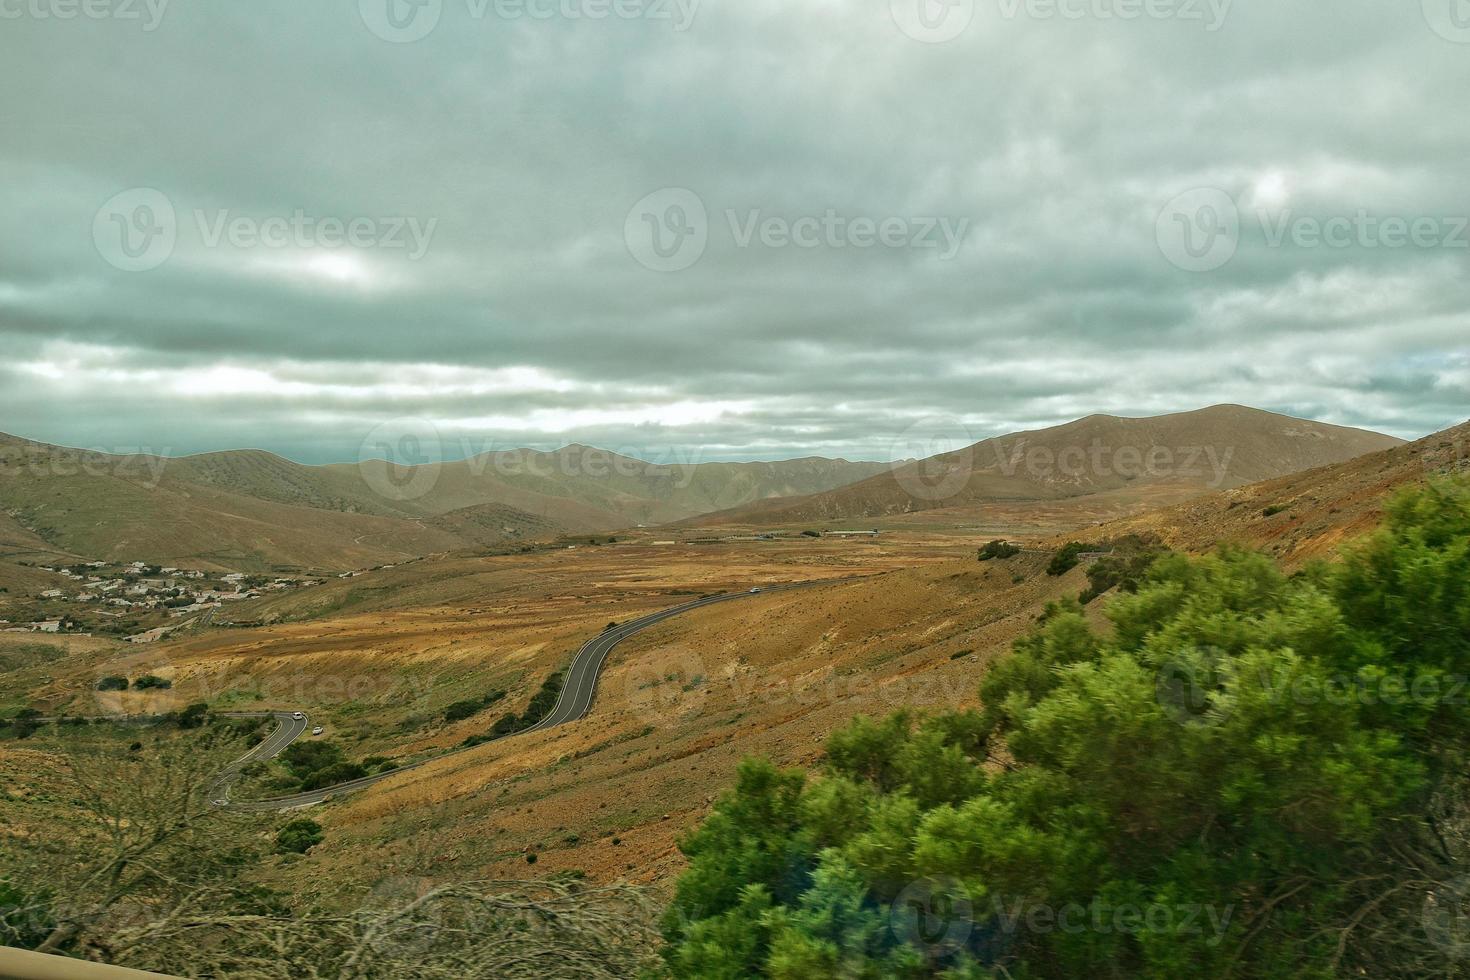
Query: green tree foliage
1247	775
999	549
193	716
460	710
113	683
25	918
338	772
304	758
299	836
1066	558
1124	567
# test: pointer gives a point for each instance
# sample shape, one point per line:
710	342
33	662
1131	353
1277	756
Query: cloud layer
283	224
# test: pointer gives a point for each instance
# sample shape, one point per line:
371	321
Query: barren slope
1213	448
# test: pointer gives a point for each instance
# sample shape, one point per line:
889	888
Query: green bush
460	710
299	836
25	918
998	549
113	683
1196	764
304	758
149	682
1123	568
193	716
1066	559
340	772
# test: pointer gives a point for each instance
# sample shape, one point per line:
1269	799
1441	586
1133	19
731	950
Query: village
137	594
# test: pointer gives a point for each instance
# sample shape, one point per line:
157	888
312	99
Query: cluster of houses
140	587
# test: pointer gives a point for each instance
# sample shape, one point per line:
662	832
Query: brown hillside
1214	448
1306	515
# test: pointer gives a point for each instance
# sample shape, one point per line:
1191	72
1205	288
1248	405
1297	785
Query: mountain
1181	455
251	509
1305	515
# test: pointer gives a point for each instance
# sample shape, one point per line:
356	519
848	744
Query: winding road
577	694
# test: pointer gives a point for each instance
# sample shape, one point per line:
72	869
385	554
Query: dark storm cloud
510	151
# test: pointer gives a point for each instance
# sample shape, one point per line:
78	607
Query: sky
724	229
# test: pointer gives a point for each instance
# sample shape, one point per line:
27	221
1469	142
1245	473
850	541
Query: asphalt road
577	694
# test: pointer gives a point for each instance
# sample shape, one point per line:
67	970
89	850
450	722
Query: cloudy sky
734	228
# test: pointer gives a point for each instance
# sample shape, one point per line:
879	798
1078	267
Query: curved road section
577	694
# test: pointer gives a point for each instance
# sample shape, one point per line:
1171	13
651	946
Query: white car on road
299	715
318	730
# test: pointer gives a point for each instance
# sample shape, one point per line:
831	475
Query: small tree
299	836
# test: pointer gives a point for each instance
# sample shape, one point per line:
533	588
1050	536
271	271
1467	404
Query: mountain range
250	509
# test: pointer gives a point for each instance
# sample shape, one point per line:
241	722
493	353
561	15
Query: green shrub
1275	509
299	836
341	772
1176	763
193	716
998	549
149	682
1066	559
113	683
25	918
